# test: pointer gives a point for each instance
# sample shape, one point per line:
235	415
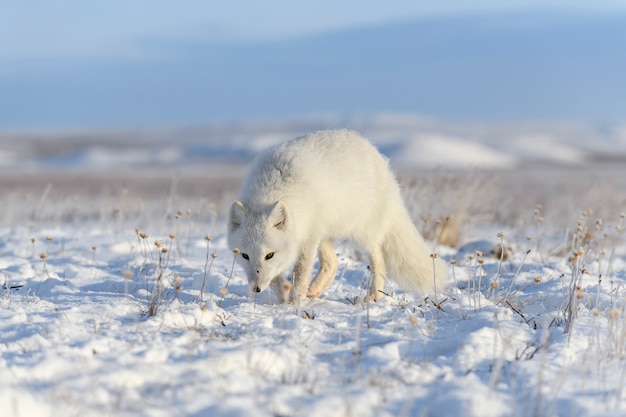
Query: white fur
302	195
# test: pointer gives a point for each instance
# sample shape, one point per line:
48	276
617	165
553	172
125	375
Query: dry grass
448	206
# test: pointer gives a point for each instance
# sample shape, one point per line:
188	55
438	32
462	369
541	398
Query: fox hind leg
328	264
379	273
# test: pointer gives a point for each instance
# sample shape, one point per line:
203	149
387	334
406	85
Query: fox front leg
280	287
302	274
328	264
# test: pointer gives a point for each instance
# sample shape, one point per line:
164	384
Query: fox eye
245	256
269	256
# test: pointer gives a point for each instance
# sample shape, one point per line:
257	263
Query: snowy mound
406	140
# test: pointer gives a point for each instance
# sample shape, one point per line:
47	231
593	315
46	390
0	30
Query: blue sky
119	63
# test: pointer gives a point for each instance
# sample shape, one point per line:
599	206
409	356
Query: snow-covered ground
114	302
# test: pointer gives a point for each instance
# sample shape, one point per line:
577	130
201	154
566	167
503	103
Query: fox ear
279	216
236	216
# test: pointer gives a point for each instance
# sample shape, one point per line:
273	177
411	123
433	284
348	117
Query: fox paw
313	293
377	296
296	299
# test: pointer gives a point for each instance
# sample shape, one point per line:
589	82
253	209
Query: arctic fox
302	195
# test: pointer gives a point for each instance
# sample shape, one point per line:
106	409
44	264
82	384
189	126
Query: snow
546	147
405	139
433	150
76	339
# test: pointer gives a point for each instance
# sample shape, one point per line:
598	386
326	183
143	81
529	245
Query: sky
116	63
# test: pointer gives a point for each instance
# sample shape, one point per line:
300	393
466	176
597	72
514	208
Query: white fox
302	195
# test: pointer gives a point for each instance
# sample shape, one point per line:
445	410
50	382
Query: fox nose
257	289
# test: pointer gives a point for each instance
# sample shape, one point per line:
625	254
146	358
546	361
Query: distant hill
408	141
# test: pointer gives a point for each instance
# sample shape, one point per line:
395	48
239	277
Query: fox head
265	240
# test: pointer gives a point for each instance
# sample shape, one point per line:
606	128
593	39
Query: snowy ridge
406	140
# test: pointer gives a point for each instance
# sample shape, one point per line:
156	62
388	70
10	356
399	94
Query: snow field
78	337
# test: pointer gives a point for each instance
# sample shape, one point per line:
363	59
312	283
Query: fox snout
255	287
258	285
255	284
